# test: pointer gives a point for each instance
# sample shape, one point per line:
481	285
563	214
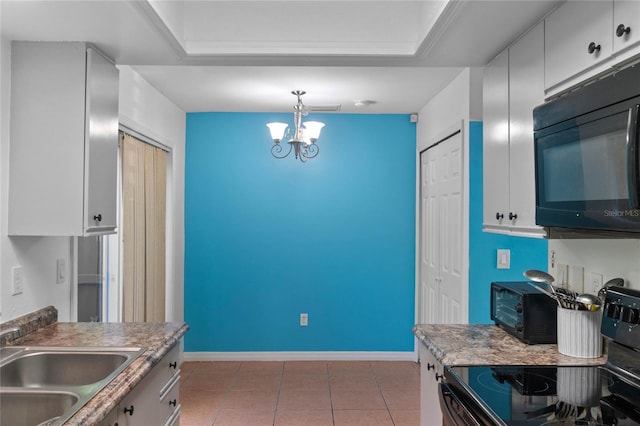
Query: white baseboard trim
301	356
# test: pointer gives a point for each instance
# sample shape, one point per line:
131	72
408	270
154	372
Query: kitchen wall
142	108
609	258
462	100
268	239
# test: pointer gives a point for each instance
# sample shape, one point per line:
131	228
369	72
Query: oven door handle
444	392
633	158
455	418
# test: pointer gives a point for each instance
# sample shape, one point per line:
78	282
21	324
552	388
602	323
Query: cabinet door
430	413
495	110
142	405
101	144
569	31
526	91
626	15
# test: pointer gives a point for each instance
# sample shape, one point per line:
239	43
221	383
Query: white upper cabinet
577	37
64	140
584	39
495	113
513	86
626	25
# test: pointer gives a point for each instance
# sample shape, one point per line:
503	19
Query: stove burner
533	381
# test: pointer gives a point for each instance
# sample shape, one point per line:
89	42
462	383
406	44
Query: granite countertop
465	344
157	338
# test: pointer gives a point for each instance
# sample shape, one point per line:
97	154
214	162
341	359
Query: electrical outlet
576	278
562	275
304	320
60	271
596	282
17	280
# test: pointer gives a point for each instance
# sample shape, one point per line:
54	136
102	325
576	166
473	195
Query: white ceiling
240	55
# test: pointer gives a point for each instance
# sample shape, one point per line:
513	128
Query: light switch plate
60	271
17	280
504	259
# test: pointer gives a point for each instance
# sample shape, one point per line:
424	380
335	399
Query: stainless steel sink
34	407
41	369
58	380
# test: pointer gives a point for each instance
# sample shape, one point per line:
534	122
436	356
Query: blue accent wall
268	239
526	253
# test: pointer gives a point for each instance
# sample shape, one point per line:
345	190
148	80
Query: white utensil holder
579	333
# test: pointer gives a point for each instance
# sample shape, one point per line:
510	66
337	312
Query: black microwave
587	156
524	311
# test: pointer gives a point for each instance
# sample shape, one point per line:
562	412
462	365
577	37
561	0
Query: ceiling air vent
324	108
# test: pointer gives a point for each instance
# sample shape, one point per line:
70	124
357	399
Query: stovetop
550	395
553	395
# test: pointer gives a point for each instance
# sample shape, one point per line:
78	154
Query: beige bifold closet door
144	174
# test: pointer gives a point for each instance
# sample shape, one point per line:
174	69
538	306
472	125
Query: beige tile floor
300	393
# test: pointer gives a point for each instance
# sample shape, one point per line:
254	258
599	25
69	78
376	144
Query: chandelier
302	138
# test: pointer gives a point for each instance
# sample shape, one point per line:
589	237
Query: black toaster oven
524	311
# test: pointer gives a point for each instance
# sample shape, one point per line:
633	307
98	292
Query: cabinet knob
499	216
512	216
430	366
129	410
97	217
173	402
593	47
622	30
173	365
439	377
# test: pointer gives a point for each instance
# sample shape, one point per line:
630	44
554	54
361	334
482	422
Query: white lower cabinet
431	371
156	399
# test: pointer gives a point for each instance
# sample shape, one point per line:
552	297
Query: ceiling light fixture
305	135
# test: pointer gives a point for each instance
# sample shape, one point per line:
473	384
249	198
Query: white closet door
429	242
443	294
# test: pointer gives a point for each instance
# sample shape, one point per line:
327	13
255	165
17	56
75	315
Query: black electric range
554	395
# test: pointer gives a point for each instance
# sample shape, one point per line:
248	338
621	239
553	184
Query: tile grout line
375	376
275	411
333	416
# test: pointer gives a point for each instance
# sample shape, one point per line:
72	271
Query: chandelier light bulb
277	131
312	130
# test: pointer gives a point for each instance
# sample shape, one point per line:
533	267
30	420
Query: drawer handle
439	377
173	402
431	366
593	47
98	217
499	216
128	410
173	365
622	30
512	216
